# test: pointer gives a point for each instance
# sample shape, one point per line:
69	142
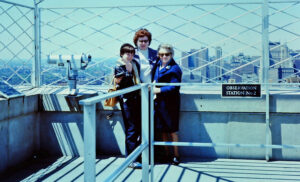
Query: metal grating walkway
219	170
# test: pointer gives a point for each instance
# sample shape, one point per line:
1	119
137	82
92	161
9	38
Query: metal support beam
36	66
151	134
89	130
145	131
265	69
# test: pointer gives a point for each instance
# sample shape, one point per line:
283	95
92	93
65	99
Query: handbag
111	102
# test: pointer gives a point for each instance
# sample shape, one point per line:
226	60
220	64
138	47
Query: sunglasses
143	41
164	54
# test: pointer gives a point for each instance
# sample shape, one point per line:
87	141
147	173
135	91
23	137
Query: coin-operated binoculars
74	63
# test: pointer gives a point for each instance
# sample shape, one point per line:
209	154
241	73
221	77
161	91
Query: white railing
90	135
90	126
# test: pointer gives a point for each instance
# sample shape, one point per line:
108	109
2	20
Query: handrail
198	144
96	99
145	128
127	161
89	131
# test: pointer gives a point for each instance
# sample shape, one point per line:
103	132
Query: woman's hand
156	90
118	80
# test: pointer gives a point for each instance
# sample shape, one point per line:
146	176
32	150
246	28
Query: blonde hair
166	46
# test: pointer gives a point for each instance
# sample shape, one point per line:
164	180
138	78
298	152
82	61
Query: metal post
145	132
89	130
265	69
151	133
36	66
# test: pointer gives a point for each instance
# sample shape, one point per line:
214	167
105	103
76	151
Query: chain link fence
214	43
16	43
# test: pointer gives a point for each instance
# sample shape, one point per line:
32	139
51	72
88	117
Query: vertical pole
36	66
265	69
89	130
145	131
151	133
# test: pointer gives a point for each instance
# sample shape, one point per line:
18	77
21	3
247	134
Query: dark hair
141	33
126	48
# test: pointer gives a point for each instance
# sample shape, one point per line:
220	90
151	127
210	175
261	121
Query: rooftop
53	131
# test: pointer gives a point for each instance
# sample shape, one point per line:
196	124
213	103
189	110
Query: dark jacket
127	80
167	103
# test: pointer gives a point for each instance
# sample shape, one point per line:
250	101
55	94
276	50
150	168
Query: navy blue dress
167	103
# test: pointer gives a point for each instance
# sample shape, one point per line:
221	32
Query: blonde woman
167	101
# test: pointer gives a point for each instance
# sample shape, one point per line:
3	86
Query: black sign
241	90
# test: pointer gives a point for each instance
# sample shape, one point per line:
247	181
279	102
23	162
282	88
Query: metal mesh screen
284	42
16	44
214	43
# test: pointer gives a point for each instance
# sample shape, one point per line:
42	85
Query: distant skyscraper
279	53
203	60
191	61
219	63
296	62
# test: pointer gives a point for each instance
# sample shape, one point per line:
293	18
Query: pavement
203	170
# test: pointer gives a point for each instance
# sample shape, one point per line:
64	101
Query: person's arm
175	78
169	88
118	80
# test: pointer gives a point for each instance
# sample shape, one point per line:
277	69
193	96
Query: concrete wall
19	130
204	117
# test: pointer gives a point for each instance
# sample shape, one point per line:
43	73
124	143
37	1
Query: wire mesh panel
284	42
16	44
213	42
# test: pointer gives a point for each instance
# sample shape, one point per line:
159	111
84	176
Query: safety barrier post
265	70
89	130
145	131
151	134
36	66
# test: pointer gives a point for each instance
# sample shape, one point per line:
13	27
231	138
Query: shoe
175	161
135	165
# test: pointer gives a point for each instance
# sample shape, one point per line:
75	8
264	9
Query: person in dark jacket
126	74
167	98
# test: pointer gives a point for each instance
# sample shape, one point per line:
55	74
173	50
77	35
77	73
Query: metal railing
90	135
90	145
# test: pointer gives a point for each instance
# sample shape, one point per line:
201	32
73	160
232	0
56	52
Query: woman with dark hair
167	98
145	56
126	74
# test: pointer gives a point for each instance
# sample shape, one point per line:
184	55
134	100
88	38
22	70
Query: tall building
279	53
244	72
203	60
296	61
219	63
190	60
